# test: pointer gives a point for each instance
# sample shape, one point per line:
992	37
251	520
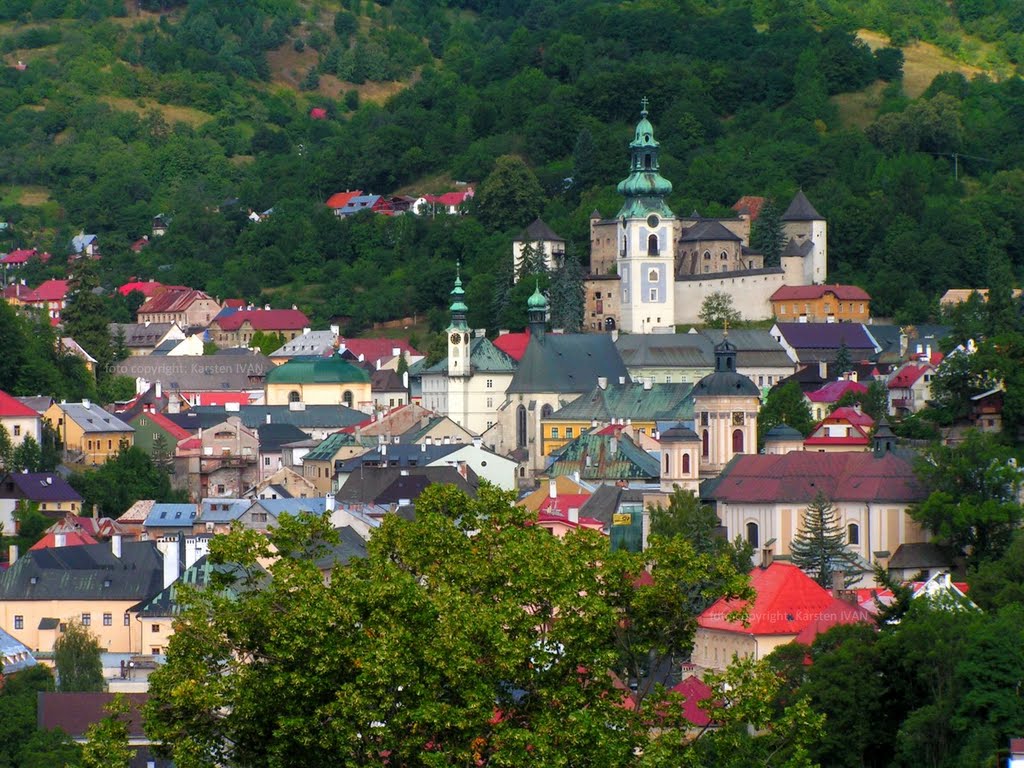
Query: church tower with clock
646	242
460	368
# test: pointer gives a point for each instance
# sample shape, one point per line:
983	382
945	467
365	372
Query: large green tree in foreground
469	636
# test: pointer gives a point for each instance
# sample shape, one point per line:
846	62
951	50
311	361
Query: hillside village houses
588	428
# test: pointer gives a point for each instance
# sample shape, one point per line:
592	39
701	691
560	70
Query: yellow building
87	429
319	381
821	304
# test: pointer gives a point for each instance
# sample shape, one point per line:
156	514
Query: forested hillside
122	111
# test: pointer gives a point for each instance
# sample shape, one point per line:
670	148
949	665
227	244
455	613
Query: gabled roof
263	320
834	390
694	690
922	555
852	415
570	362
386	380
318	370
316	343
709	230
836	612
140	334
796	247
172	300
800	209
372	350
330	446
171	516
537	232
73	713
72	539
372	482
273	436
184	373
606	500
400	455
908	375
827	335
681	350
484	357
14	655
658	402
80	242
36	486
751	205
222	510
340	199
91	418
513	344
798	476
804	292
52	290
787	601
252	416
597	456
12	408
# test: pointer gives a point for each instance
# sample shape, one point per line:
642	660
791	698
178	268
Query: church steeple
459	365
725	354
458	307
645	189
537	312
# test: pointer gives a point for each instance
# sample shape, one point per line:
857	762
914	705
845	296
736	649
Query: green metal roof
318	370
645	189
627	462
662	402
484	357
330	446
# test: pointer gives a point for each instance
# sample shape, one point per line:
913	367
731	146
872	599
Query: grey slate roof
800	209
782	432
171	516
401	455
165	602
386	380
708	229
38	403
36	486
350	545
827	336
94	419
86	572
661	350
484	357
273	436
368	483
606	500
920	555
14	655
538	231
216	373
797	248
570	362
313	343
312	417
754	347
662	402
222	510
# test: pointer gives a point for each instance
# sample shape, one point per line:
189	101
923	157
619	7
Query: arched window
686	463
704	439
725	256
652	245
647	161
707	255
293	396
521	427
853	533
737	441
346	398
666	463
753	537
546	411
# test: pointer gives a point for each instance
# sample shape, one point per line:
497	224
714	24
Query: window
686	463
725	256
490	402
86	619
652	248
752	535
653	294
490	383
704	418
259	517
554	433
346	398
521	427
782	309
17	430
707	255
108	619
570	432
266	461
737	441
127	619
293	396
666	463
828	307
156	628
546	411
853	533
154	650
19	622
704	444
110	444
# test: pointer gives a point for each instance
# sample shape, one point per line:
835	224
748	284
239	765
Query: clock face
652	221
456	338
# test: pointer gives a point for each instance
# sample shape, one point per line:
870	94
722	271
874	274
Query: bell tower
646	244
458	332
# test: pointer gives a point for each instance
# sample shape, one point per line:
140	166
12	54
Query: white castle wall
750	295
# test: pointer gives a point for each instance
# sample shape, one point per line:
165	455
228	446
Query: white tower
459	367
806	233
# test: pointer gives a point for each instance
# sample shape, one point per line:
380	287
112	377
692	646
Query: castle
652	270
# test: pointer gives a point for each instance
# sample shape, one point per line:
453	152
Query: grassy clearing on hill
923	61
172	113
859	108
24	195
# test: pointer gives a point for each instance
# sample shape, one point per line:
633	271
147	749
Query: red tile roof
376	349
318	113
834	390
798	476
148	288
168	426
513	344
907	375
695	691
73	539
835	613
21	255
264	320
752	204
12	408
340	199
852	415
450	198
563	503
234	303
842	292
172	300
787	601
223	398
52	290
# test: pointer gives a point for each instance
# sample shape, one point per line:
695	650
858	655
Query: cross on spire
643	104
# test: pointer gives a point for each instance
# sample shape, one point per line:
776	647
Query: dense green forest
125	111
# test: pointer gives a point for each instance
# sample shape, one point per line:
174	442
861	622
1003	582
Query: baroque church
651	270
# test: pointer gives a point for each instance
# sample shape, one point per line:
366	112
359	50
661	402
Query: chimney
622	380
159	390
463	468
115	545
647	383
574	515
766	557
405	380
478	442
838	582
928	352
268	417
12	554
304	330
602	382
329	504
336	330
169	550
231	407
552	489
576	476
86	403
615	335
173	404
60	540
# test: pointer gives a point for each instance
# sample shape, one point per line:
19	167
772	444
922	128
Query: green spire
645	189
537	299
537	311
458	307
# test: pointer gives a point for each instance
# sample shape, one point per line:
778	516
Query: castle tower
805	256
680	460
645	239
725	406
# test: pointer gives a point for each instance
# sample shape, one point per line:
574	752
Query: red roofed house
318	113
787	602
20	257
339	200
694	691
845	429
821	399
750	206
50	297
764	497
381	353
910	387
821	304
187	307
54	540
237	328
513	344
449	202
19	420
148	288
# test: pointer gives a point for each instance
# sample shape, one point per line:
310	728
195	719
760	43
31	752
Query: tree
842	362
568	297
767	235
1000	582
819	547
6	449
973	501
698	524
584	162
125	478
106	742
28	456
76	654
874	402
717	311
784	405
510	196
85	316
958	378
